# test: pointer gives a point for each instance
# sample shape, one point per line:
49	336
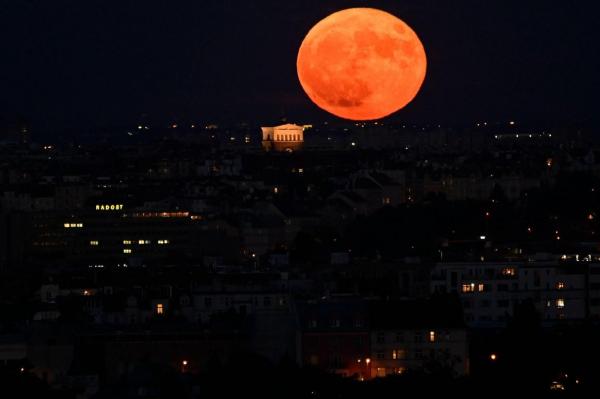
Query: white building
288	137
489	291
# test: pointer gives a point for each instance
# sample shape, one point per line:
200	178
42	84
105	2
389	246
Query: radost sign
109	207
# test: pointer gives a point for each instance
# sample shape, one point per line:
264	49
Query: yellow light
126	250
493	357
367	360
508	271
159	308
185	362
431	336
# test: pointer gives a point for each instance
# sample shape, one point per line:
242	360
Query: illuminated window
480	287
163	242
509	271
431	336
143	242
126	250
560	285
399	354
275	190
386	200
73	225
468	287
127	242
560	303
159	309
94	243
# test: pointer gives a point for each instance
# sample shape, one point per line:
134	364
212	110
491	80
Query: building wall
489	291
399	350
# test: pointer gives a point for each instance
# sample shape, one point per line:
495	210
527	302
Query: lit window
159	308
509	271
387	200
126	250
560	303
468	287
94	243
431	336
127	242
72	225
275	190
560	285
480	287
163	242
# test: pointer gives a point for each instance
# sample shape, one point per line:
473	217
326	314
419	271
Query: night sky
95	63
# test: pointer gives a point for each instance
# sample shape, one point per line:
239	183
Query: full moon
361	64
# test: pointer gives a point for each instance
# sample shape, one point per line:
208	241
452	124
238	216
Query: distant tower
287	137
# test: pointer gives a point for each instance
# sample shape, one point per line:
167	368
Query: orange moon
361	64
